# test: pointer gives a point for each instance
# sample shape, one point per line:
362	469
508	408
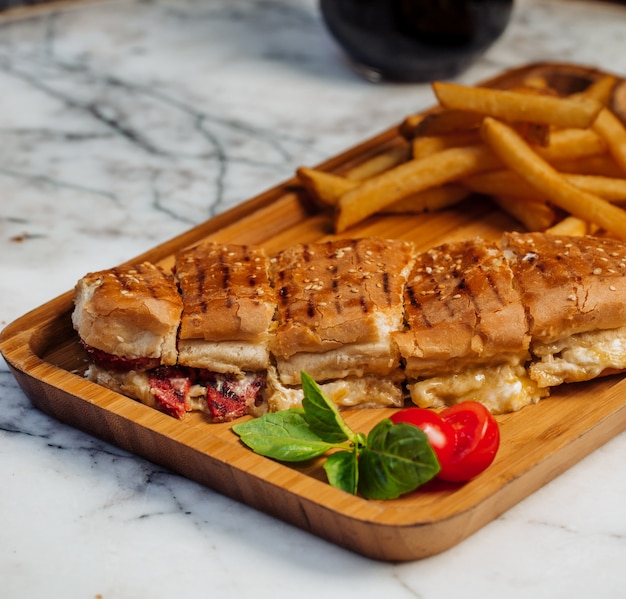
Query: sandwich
230	330
195	339
466	333
338	304
127	319
503	322
573	290
226	323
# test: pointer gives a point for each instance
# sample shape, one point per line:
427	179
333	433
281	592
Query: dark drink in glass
415	40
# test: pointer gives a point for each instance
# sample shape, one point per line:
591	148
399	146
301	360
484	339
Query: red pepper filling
170	387
117	363
229	397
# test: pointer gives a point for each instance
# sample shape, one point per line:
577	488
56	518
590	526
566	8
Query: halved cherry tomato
477	440
465	437
441	435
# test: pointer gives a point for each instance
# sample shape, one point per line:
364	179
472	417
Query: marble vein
122	124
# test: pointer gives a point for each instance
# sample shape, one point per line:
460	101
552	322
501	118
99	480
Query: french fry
324	187
516	106
431	144
502	183
534	133
534	215
380	163
519	157
508	182
618	102
375	194
610	188
570	225
409	125
544	152
533	90
601	90
442	122
430	200
602	165
327	188
571	144
612	130
537	134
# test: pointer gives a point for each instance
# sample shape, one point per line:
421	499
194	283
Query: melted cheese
501	388
578	358
362	392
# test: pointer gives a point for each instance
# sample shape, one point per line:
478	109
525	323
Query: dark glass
415	40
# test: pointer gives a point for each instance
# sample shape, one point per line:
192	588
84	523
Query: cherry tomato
441	435
465	437
477	440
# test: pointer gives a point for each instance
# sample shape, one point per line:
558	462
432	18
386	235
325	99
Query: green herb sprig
393	459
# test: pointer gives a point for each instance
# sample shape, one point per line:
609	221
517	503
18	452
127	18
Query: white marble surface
123	123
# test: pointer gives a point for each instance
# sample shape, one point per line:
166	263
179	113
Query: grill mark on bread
385	277
564	281
448	303
474	299
410	291
226	290
226	278
128	279
200	287
334	270
495	289
122	280
415	303
334	293
283	294
282	291
460	302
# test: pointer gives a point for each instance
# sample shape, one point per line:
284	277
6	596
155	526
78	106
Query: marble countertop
126	122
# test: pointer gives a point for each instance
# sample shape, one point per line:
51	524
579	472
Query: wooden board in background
538	443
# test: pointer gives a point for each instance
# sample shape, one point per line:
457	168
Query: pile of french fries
555	163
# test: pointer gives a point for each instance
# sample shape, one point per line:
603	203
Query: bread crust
336	293
353	311
223	356
568	285
227	295
130	311
338	302
461	307
356	360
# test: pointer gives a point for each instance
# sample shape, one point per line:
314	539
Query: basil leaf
283	436
322	414
396	460
342	470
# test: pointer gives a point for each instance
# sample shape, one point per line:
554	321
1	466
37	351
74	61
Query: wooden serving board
538	442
